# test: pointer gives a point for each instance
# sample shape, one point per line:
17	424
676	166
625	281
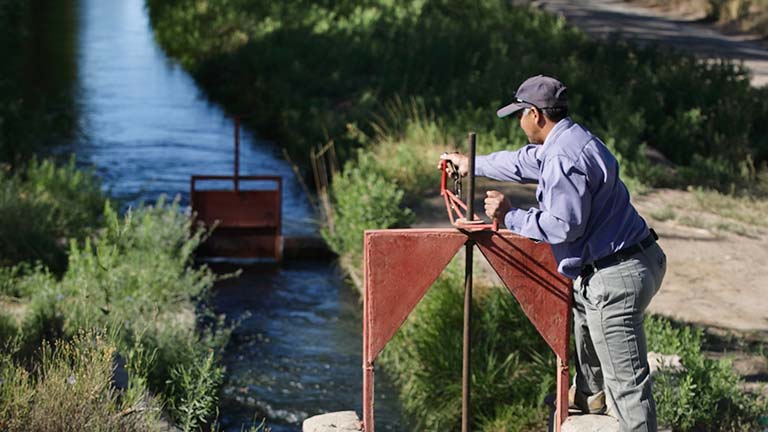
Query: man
598	239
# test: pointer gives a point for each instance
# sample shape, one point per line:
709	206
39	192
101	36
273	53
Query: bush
43	206
706	395
512	368
71	391
363	199
462	60
136	279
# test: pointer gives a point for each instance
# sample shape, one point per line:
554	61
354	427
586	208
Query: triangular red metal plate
530	273
400	266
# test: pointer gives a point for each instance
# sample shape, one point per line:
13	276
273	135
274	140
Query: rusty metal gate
246	222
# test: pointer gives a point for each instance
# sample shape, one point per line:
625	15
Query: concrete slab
341	421
590	423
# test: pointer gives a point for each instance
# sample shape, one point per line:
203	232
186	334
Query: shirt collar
549	142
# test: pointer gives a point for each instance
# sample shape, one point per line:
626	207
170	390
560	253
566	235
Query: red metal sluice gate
401	264
247	221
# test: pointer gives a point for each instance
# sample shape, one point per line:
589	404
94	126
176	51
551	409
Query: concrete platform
341	421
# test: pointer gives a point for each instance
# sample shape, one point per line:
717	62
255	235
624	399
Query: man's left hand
496	205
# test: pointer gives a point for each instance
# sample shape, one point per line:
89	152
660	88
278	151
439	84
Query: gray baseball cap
539	91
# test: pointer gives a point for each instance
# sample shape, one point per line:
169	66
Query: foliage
37	109
706	395
193	392
41	207
363	199
136	279
462	60
71	391
510	375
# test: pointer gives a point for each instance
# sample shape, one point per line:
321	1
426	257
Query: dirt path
602	18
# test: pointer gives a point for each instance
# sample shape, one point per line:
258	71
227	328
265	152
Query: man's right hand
459	160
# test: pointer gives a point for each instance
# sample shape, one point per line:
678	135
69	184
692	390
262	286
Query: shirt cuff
514	220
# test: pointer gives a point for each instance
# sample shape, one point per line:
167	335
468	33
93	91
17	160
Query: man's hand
458	159
496	205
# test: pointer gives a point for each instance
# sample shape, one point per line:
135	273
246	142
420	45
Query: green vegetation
405	80
706	394
308	70
41	206
135	280
71	391
512	368
37	108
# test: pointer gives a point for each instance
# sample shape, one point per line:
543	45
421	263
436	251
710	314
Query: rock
342	421
666	362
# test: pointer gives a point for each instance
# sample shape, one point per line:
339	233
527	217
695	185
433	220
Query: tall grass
43	206
37	108
512	367
134	278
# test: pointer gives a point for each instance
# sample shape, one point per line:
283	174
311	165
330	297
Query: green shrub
193	392
363	199
512	368
43	206
136	279
71	391
706	395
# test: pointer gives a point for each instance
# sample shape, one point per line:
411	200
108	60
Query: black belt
620	255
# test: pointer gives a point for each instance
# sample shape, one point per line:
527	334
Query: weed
43	206
509	372
363	199
70	391
664	214
705	395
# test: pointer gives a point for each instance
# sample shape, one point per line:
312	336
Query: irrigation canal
146	127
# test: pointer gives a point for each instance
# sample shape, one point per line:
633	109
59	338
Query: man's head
540	102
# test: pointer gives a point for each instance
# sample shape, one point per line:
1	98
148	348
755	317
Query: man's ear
538	117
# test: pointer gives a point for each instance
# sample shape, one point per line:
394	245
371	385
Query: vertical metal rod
237	154
466	375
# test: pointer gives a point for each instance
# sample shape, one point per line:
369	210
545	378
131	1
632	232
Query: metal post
466	375
237	154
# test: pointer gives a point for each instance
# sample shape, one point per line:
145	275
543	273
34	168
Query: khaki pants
611	352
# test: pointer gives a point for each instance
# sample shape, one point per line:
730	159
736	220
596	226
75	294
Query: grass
70	390
135	279
512	367
706	394
41	207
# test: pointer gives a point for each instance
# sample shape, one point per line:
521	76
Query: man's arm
565	203
520	166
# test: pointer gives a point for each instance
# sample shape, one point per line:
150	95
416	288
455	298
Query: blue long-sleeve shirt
584	208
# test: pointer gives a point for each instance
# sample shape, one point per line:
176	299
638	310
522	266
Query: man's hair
555	113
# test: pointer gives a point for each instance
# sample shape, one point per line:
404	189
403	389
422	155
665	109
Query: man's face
529	125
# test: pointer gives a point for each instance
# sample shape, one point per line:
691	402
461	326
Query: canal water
145	127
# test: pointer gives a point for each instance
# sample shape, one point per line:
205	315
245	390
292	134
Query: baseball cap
539	91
